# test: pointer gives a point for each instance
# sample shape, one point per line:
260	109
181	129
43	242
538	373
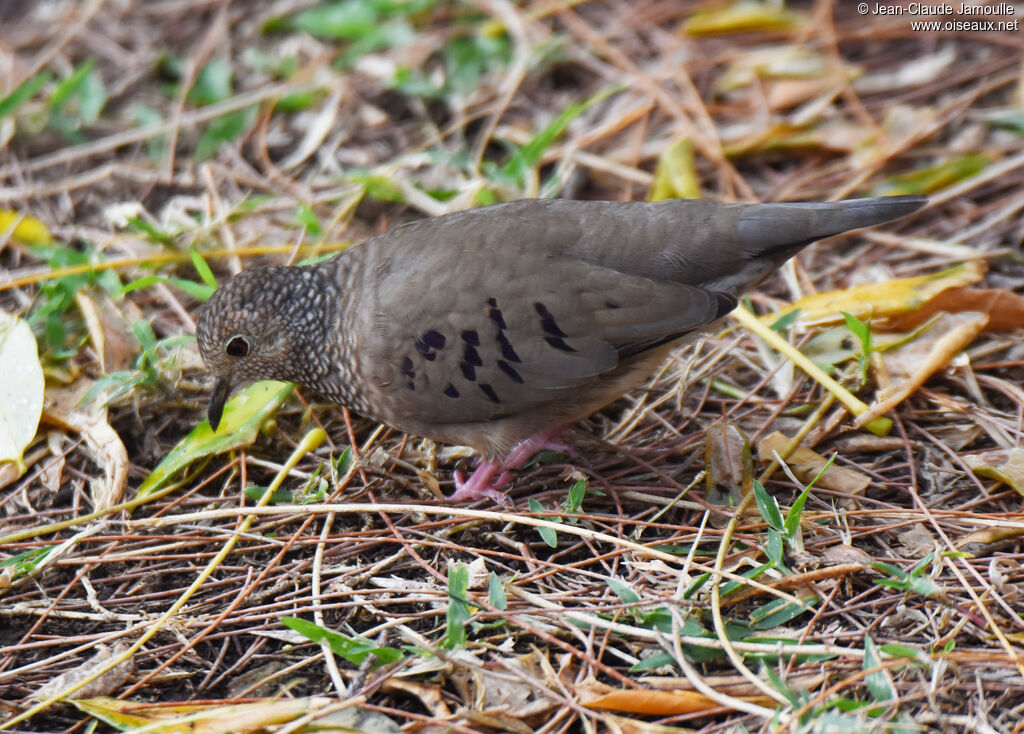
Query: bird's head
266	324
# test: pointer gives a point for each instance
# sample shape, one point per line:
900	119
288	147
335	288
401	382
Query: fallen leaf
933	178
238	718
676	174
727	457
1005	309
64	408
243	417
21	389
911	364
23	228
975	542
877	300
106	684
1004	465
111	337
806	464
743	17
652	702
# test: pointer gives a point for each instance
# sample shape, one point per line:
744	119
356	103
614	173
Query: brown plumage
490	326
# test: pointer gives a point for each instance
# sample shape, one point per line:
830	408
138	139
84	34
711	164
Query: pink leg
491	476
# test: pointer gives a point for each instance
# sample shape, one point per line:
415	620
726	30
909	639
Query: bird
499	326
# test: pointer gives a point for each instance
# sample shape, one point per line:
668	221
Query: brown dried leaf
910	365
106	684
109	332
63	409
595	695
1005	309
806	463
727	457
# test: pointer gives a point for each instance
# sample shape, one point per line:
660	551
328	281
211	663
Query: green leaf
934	178
623	591
458	607
878	683
348	20
378	187
26	562
768	507
695	585
146	116
467	59
353	649
750	573
213	83
342	463
144	226
657	660
548	535
71	86
244	415
199	291
202	268
775	547
23	93
223	129
779	611
861	330
902	651
783	322
574	500
496	593
306	217
524	160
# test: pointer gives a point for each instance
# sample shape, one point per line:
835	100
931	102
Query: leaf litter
235	128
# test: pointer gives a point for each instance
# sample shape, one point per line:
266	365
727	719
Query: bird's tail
769	234
765	228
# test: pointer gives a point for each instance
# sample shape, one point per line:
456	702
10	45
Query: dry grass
199	580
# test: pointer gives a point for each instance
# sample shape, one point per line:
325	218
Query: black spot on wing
434	339
547	320
470	356
495	315
407	369
558	343
510	371
489	392
507	351
428	344
450	391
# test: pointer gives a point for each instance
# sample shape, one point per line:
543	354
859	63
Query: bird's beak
219	396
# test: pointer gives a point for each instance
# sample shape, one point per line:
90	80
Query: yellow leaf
1006	466
676	174
743	17
26	229
891	298
933	178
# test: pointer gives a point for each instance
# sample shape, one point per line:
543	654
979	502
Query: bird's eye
237	346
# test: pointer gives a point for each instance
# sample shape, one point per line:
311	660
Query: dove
499	326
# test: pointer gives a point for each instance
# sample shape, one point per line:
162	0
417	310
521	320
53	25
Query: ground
148	150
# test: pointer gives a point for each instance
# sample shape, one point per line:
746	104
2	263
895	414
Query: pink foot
491	476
